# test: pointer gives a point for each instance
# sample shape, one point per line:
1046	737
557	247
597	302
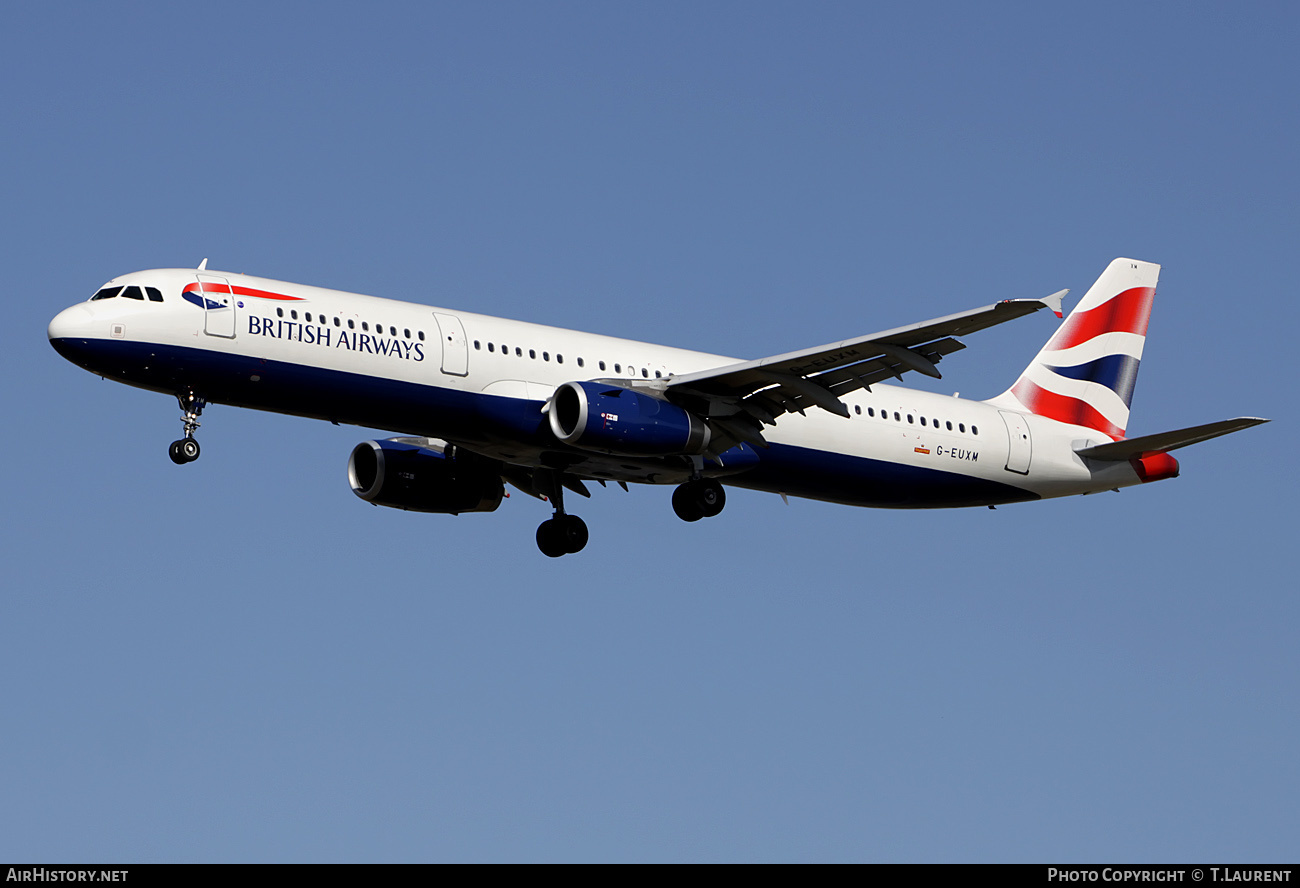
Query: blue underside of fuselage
493	422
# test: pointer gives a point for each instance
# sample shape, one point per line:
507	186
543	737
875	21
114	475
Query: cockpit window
152	293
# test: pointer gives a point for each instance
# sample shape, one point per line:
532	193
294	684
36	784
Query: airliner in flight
480	401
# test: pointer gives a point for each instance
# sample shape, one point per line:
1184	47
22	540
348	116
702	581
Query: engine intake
417	479
610	419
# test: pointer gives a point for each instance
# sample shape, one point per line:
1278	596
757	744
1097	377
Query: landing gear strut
562	534
700	498
186	450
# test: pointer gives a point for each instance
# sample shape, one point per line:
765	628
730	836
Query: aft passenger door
218	306
1020	446
455	350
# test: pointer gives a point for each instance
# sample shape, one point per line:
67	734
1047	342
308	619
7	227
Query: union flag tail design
1085	374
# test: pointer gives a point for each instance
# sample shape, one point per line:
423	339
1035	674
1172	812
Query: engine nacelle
617	420
417	479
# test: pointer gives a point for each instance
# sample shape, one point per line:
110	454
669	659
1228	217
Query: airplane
478	402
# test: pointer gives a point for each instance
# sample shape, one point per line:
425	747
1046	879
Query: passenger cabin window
106	293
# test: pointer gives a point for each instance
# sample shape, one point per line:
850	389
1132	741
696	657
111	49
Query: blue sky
239	660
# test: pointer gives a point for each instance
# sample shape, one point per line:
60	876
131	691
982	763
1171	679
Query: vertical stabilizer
1086	372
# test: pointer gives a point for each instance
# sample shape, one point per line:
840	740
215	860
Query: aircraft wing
738	397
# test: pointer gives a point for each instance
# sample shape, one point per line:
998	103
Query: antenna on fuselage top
203	266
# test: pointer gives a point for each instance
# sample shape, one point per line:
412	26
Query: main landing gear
186	450
700	498
562	534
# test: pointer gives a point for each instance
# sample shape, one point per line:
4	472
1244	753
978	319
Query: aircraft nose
69	333
69	323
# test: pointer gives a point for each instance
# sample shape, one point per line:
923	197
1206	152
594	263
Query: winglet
1054	301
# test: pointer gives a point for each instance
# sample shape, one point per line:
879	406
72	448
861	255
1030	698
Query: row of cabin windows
911	419
152	293
352	325
504	349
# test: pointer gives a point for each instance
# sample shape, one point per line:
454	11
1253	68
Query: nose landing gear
183	451
186	450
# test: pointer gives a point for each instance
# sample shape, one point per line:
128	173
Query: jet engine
416	478
610	419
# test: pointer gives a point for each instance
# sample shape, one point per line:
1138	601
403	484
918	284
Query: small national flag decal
925	450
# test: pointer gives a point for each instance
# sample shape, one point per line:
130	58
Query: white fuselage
482	382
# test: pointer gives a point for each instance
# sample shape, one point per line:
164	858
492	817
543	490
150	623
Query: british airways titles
317	334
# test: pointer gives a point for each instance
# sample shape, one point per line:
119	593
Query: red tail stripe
1127	312
1063	408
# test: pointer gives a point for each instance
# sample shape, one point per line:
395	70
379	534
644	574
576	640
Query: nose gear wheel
186	450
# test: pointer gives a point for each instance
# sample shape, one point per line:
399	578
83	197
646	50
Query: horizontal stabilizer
1166	441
